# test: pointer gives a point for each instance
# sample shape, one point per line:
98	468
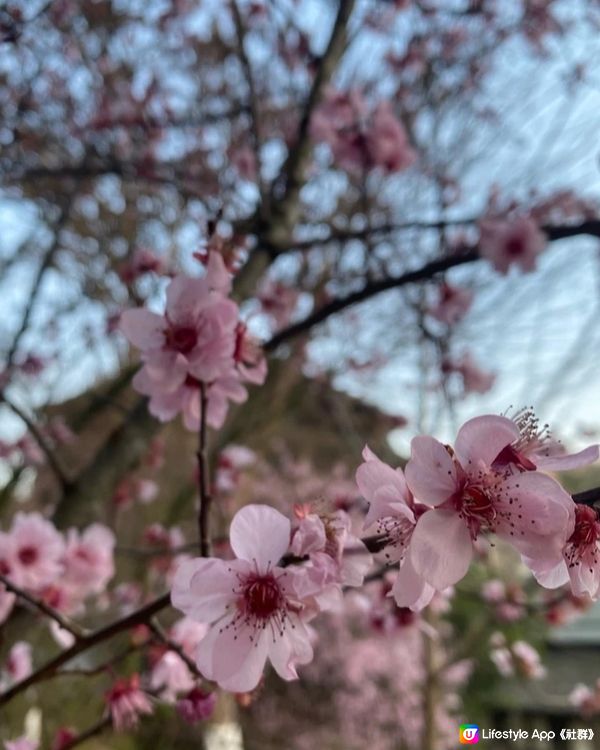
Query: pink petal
292	648
233	655
372	474
553	578
186	297
481	439
410	589
441	548
260	534
566	463
431	473
202	588
143	328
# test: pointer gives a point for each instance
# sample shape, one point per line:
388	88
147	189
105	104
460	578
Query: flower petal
481	439
202	588
410	589
567	462
143	328
260	533
441	548
431	473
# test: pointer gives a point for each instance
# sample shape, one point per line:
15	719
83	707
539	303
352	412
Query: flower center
515	247
28	555
181	338
262	596
587	527
476	507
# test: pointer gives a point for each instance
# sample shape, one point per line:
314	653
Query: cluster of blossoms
60	570
492	481
360	139
516	659
198	343
258	606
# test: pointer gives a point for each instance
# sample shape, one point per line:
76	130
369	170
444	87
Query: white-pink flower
88	559
469	497
453	304
195	336
254	606
392	511
127	703
580	563
511	242
21	743
37	551
170	674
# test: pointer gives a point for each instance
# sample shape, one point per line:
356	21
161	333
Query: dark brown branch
588	497
40	440
203	479
292	178
87	734
428	271
76	631
140	616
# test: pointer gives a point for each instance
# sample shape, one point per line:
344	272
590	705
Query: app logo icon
468	734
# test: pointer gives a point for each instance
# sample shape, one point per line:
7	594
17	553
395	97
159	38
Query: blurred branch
427	271
203	480
292	178
40	440
87	734
252	93
175	647
588	497
139	617
77	632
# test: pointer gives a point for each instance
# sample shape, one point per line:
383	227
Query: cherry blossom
38	550
393	511
197	705
530	510
21	743
127	703
170	674
511	242
255	607
88	559
18	664
580	564
535	449
453	304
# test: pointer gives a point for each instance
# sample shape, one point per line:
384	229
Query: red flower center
28	555
262	596
181	338
515	246
477	508
587	527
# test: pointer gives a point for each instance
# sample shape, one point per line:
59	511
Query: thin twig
140	616
203	480
76	631
40	440
158	631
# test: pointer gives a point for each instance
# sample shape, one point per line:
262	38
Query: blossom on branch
257	609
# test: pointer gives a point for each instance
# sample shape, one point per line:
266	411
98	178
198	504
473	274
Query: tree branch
203	479
559	232
76	631
140	616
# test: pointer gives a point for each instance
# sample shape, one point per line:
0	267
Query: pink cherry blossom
453	304
18	664
38	551
475	380
195	336
7	555
255	608
511	242
127	703
197	705
535	449
170	674
580	564
248	356
386	141
530	509
88	559
185	399
21	743
393	510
